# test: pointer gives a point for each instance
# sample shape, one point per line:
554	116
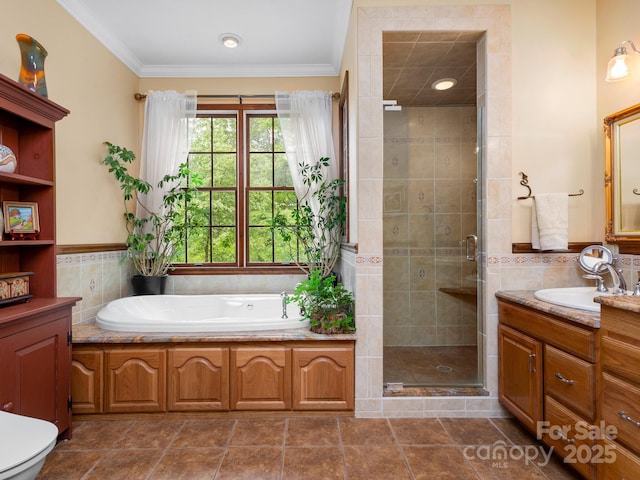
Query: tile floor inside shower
431	366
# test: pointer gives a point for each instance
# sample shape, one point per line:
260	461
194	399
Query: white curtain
305	119
168	122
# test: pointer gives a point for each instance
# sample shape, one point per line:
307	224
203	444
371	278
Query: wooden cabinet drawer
618	463
570	380
620	358
571	338
621	408
570	436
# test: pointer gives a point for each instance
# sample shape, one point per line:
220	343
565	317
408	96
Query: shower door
432	243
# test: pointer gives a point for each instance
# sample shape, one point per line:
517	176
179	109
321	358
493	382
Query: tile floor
305	448
435	366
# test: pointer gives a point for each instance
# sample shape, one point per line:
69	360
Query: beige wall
555	123
616	21
97	88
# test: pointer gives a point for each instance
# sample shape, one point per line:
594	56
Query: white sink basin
574	297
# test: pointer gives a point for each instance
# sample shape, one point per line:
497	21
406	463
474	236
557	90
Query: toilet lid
22	438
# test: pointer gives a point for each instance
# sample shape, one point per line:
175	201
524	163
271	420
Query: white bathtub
198	313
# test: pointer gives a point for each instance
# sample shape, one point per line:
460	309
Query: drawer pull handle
626	417
565	380
562	436
7	407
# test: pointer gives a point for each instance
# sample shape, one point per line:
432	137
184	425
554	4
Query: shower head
391	105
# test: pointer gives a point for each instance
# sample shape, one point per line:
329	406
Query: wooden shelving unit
35	337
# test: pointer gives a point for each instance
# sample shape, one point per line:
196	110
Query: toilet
24	445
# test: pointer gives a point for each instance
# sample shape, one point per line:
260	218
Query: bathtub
199	313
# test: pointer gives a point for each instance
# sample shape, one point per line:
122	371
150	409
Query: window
238	152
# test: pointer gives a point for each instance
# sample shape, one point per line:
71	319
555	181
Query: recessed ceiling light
444	84
229	40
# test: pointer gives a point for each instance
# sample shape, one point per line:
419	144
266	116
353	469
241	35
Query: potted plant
326	303
152	238
318	222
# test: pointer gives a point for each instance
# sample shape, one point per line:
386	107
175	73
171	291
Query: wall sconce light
618	68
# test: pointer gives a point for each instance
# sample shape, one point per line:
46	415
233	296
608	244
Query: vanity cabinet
547	373
276	376
620	345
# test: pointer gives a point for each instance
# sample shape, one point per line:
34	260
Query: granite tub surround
527	299
87	333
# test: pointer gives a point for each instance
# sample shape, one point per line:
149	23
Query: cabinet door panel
135	381
260	378
37	377
198	379
87	381
520	375
323	379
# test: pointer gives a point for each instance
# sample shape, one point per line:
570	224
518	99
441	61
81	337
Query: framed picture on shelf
21	219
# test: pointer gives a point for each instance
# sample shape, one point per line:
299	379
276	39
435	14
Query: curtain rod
142	96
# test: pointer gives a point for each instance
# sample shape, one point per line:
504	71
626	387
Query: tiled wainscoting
101	277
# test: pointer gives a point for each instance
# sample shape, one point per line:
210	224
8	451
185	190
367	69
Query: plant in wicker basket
326	303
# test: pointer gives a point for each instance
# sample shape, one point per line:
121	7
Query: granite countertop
623	302
527	299
90	333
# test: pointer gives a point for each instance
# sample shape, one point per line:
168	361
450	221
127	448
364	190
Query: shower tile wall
429	208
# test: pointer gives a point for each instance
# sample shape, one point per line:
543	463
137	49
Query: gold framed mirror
622	179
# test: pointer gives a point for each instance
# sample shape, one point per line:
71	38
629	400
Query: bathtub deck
86	333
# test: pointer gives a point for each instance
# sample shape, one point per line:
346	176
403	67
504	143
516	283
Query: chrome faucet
284	296
599	282
619	284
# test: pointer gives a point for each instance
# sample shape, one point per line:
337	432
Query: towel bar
525	183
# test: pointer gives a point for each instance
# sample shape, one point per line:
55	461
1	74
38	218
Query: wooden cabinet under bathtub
213	378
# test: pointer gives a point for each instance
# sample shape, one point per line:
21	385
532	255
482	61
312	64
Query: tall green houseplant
152	238
318	222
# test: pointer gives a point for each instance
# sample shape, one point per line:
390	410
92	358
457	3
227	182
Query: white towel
550	221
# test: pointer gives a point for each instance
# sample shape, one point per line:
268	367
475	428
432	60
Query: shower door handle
472	247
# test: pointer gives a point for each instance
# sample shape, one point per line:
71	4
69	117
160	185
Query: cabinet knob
7	407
